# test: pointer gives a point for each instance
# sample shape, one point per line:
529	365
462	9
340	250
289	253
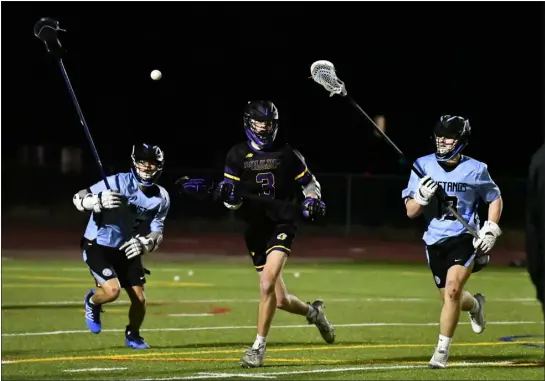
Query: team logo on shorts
281	236
106	272
437	280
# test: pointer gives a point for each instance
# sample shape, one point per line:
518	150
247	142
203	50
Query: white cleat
477	319
254	358
439	359
320	321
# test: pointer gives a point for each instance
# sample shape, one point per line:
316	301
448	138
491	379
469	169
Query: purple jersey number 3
266	179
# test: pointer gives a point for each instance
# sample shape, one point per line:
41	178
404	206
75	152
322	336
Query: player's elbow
82	201
412	215
414	209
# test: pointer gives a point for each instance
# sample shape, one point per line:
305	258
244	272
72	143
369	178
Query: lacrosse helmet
261	123
450	127
147	163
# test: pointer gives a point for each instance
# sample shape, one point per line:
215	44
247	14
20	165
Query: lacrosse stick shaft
46	30
414	168
323	72
83	123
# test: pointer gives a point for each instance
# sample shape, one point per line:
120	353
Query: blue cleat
134	340
92	314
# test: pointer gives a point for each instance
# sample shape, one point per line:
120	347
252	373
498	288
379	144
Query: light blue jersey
143	215
465	186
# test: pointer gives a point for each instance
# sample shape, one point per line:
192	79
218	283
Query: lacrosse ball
176	278
156	75
190	273
296	274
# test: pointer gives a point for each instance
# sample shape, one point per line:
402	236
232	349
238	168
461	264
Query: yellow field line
271	350
224	359
39	277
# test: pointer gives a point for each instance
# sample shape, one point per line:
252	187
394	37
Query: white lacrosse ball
156	75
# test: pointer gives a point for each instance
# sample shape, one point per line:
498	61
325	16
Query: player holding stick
450	249
269	170
125	223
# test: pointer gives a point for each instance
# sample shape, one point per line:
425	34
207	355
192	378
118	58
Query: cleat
254	358
319	319
92	314
478	322
439	359
134	340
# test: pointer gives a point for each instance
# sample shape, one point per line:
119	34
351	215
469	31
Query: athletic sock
260	341
444	343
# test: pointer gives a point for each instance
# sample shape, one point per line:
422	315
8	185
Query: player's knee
111	291
136	295
138	298
266	284
139	301
453	290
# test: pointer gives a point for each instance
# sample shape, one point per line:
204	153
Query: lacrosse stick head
46	29
323	72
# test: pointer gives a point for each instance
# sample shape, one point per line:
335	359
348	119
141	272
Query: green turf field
198	326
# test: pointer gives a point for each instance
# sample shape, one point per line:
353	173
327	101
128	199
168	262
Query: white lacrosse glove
487	237
109	199
426	189
137	246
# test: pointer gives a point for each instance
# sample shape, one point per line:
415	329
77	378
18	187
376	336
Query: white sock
475	307
444	343
260	341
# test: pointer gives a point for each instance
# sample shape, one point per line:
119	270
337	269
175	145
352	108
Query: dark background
410	62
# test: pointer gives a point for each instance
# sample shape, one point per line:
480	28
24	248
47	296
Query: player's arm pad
313	187
85	201
152	241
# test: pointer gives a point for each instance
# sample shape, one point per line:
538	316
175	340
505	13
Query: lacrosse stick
46	30
214	184
323	72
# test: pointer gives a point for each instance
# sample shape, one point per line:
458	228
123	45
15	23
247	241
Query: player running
126	222
452	252
269	169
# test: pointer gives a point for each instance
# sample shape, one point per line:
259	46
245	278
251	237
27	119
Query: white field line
333	300
227	375
318	371
92	370
221	328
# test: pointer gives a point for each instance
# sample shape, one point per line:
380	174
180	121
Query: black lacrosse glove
198	188
313	208
227	192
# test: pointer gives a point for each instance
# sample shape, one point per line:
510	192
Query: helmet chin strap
139	181
453	160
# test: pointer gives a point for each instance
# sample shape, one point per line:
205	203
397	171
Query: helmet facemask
147	164
262	133
450	137
146	170
261	123
445	146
